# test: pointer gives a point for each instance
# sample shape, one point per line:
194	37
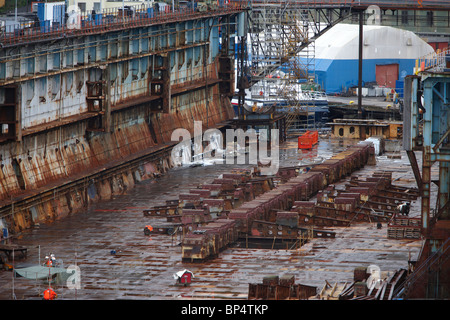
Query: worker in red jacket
49	294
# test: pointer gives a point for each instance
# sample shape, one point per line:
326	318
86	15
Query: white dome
380	42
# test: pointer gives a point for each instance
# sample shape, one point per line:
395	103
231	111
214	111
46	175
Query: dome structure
389	54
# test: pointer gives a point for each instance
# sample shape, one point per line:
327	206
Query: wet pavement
143	266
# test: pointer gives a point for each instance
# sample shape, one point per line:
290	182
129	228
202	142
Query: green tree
10	5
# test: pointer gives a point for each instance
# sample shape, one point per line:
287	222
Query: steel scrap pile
243	203
202	213
365	287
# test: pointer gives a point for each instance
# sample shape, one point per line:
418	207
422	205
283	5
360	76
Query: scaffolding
278	33
281	57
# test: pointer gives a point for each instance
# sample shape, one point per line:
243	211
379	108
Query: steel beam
415	167
360	61
443	196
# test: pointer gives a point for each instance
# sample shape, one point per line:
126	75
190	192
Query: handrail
385	4
108	20
434	61
429	262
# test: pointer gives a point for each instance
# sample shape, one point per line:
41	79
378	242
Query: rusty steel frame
343	207
400	227
273	230
427	281
280	288
435	142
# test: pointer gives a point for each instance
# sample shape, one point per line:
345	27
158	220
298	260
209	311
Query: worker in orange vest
148	229
49	262
49	294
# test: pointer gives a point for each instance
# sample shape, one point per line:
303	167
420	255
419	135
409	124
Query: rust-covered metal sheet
280	288
161	211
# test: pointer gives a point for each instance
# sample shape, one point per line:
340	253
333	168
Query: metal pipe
360	58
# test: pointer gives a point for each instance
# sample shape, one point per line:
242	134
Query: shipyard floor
143	266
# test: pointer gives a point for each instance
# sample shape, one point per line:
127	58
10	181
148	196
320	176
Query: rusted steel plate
296	188
161	211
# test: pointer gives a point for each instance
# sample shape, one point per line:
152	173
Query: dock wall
87	117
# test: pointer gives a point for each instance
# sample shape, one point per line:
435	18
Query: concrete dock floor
143	266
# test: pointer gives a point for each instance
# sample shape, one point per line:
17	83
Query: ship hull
103	119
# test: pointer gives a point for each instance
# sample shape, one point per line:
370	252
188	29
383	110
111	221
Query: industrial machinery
426	131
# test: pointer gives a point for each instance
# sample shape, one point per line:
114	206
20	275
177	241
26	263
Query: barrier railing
434	62
118	18
108	20
433	261
413	4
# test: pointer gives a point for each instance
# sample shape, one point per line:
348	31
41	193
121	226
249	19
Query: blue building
389	54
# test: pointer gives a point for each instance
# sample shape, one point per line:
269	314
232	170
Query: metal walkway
90	24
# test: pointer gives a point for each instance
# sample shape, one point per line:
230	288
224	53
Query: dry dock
143	267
